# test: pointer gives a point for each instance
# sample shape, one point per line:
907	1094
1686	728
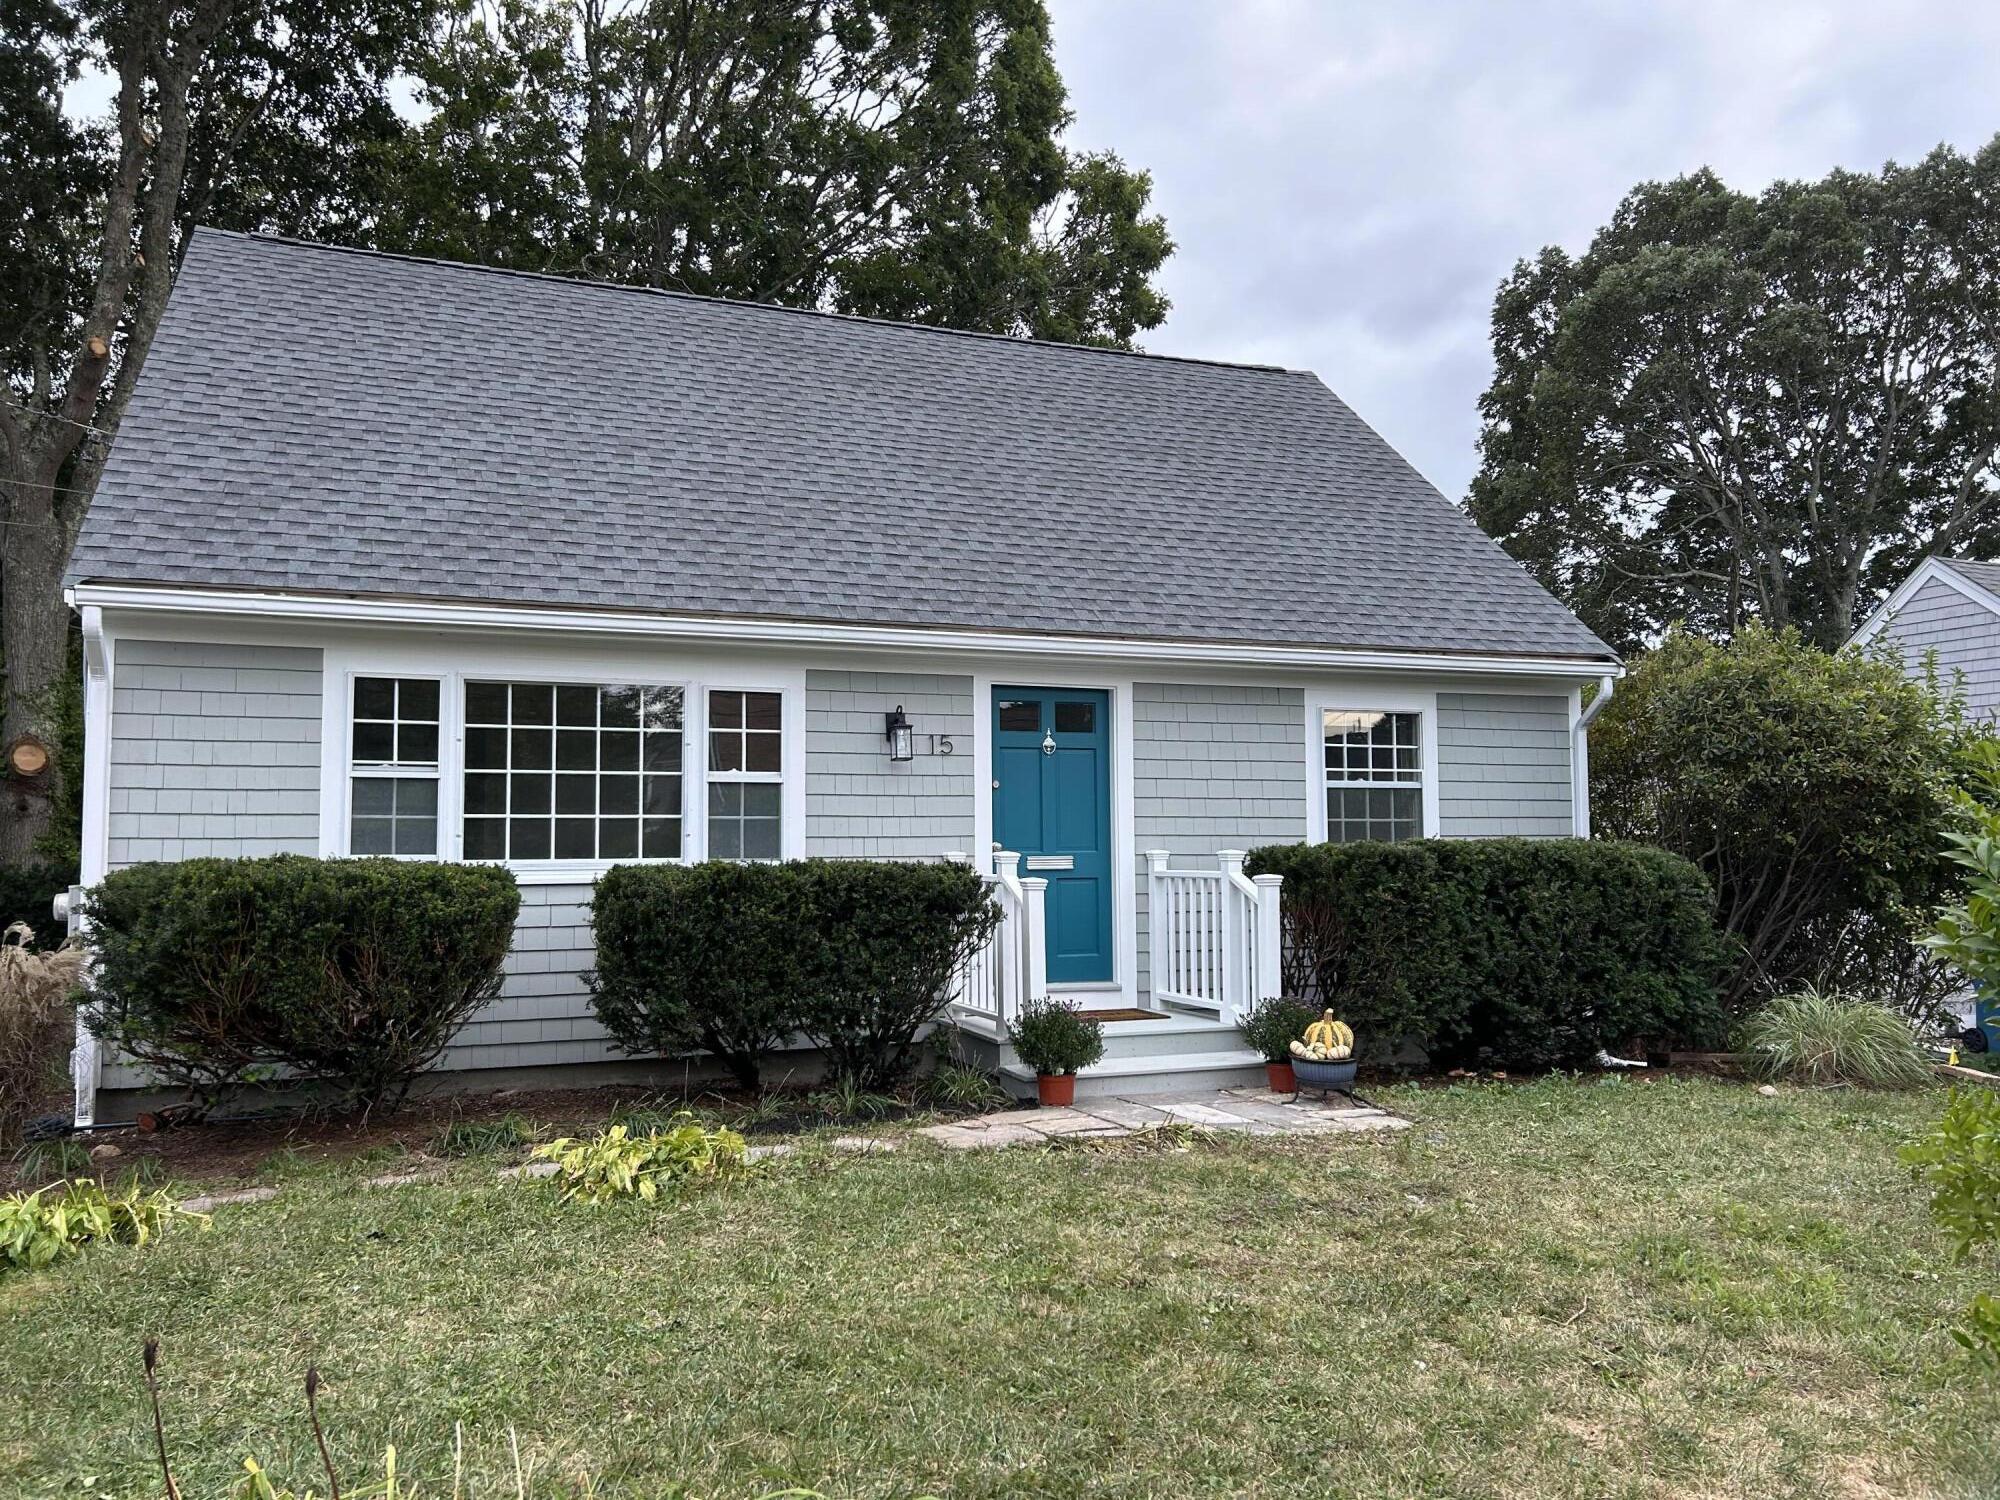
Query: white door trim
1124	823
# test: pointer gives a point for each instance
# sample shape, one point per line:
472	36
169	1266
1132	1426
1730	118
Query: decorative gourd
1326	1040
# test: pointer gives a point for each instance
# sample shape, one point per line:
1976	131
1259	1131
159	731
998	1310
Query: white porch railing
1213	935
1013	966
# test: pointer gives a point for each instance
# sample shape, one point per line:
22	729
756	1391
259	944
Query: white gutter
435	613
1579	758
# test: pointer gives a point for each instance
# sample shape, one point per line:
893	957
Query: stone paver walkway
1252	1111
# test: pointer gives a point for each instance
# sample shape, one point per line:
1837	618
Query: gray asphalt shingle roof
1985	574
341	422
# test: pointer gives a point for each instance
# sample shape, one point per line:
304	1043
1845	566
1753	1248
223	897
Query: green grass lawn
1666	1288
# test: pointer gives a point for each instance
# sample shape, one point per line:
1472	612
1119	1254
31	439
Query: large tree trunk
34	623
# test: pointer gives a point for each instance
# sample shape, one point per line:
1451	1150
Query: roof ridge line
599	284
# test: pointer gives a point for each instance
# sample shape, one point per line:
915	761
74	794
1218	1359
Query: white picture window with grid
745	774
570	771
393	757
1374	774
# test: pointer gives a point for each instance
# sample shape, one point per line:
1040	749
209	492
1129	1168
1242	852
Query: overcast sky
1348	182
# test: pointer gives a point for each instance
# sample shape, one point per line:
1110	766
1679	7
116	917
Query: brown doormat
1124	1014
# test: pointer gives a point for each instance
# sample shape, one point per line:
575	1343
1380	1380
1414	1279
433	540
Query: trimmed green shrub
1813	789
731	959
354	973
714	957
1817	1038
27	894
1054	1038
1521	953
888	938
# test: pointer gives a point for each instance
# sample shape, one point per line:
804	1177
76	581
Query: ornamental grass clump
1822	1038
37	1022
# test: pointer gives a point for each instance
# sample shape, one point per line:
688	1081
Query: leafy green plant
960	1086
355	973
37	1022
1818	1038
484	1137
1052	1037
615	1164
1275	1023
1959	1160
1511	953
733	959
56	1222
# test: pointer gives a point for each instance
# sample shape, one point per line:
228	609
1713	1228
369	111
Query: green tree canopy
1732	407
898	158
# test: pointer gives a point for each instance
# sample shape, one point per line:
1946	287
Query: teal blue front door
1052	805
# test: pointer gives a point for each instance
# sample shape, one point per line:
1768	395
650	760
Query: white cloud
1348	183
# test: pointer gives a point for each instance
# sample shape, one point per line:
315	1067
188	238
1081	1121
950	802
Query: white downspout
1579	757
86	1063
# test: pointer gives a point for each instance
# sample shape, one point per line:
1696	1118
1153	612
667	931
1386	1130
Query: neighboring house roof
1978	582
341	422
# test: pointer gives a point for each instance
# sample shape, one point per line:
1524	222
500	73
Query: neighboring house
1948	612
401	557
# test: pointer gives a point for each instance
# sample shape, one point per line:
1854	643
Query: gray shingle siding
861	805
1964	634
214	751
1503	765
542	1014
1214	768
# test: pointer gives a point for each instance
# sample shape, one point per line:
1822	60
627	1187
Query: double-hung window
569	771
393	760
1374	774
745	774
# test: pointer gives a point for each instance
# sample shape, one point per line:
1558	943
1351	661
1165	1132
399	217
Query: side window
393	761
1374	775
745	774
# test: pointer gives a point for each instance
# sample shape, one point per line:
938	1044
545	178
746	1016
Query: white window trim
392	770
1366	697
453	664
777	778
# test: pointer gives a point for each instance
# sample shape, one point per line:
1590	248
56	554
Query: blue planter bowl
1323	1075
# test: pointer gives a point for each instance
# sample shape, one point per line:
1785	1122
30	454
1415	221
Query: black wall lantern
902	739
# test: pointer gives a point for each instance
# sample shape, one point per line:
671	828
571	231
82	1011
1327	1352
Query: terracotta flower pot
1055	1088
1283	1079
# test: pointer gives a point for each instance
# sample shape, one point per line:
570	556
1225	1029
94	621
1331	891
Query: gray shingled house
1947	611
425	560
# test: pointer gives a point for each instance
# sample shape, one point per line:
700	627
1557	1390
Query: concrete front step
1127	1077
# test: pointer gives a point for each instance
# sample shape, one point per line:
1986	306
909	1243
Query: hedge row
854	955
354	972
1518	953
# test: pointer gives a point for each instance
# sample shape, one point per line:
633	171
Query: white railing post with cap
1010	943
1270	944
1034	890
1159	921
1232	934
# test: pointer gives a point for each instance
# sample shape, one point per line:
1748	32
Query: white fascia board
441	614
1931	568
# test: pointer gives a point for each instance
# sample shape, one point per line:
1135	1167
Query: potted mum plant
1055	1040
1324	1057
1271	1027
